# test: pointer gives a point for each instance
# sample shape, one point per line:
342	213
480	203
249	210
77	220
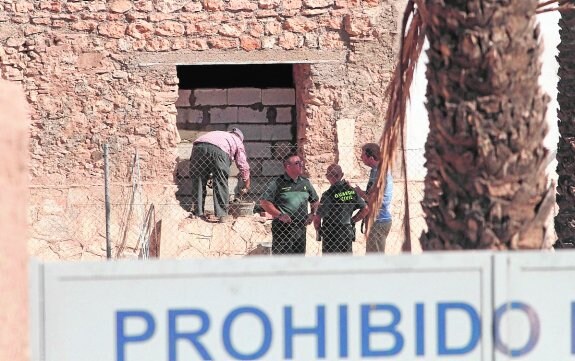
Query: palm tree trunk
486	186
565	219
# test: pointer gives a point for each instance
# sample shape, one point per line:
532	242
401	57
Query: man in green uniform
335	219
286	199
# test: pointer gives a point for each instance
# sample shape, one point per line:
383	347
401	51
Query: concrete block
190	135
266	133
244	96
224	115
260	184
210	97
272	168
183	98
184	150
258	150
281	150
251	132
183	168
182	115
278	96
189	116
284	115
277	132
255	167
195	116
249	115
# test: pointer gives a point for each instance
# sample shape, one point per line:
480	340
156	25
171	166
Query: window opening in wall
259	99
235	76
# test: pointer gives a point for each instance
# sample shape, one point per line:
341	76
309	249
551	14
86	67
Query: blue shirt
384	214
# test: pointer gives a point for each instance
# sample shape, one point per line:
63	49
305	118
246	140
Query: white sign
534	294
433	307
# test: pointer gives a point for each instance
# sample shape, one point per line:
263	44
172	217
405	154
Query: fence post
14	198
107	202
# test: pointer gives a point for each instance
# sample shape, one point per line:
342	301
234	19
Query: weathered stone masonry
98	72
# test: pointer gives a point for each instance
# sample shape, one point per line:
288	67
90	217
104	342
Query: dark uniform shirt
338	204
291	197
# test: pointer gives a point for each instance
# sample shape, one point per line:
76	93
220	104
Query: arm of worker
313	215
246	187
244	167
320	212
274	212
363	194
360	215
317	222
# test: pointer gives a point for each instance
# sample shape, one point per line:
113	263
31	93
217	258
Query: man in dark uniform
286	199
335	220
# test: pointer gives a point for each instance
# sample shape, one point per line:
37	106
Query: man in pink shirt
212	154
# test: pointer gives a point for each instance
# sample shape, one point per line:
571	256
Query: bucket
241	209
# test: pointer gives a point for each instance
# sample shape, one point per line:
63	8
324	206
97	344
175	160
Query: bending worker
213	154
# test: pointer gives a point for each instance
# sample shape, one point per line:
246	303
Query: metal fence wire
148	219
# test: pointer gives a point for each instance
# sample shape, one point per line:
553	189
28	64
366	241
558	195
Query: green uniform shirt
338	204
291	197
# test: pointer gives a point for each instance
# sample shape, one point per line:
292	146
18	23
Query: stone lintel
240	57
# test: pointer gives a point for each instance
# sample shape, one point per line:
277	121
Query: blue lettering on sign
534	328
293	331
367	329
290	331
267	332
193	337
442	309
122	339
572	328
419	329
343	342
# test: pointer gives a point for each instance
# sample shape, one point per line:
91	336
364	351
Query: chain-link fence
138	219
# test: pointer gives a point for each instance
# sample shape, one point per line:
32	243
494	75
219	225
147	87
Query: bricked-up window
258	99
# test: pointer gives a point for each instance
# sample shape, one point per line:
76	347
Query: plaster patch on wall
345	146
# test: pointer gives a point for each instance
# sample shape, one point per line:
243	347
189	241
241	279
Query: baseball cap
238	132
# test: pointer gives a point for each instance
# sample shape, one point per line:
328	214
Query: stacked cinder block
265	116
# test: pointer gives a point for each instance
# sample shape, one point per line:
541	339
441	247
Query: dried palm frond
555	5
397	97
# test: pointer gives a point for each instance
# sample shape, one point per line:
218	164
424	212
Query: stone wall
98	72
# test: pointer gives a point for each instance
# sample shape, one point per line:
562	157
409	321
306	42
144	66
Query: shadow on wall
262	249
183	182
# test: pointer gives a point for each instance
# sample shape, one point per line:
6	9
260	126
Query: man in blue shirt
370	156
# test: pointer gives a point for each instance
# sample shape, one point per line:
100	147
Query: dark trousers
208	159
288	238
337	238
